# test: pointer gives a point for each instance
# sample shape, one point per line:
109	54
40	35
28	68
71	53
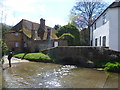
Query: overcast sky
53	11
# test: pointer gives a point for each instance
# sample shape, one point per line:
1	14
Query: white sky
53	11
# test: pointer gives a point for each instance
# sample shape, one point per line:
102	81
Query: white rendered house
105	30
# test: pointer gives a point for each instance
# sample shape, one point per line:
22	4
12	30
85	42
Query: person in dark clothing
9	57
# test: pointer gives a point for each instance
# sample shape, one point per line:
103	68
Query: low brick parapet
84	54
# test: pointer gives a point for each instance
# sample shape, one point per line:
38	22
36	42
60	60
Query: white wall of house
111	29
101	30
119	29
113	33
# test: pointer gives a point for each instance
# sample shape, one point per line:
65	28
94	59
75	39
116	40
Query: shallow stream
48	75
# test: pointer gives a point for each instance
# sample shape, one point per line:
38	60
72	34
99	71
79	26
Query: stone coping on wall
84	47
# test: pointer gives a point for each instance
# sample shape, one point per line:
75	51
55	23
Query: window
100	40
104	18
91	42
55	44
104	40
96	42
16	34
95	26
92	28
25	45
16	44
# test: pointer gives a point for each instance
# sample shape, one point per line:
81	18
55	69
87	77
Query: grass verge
33	56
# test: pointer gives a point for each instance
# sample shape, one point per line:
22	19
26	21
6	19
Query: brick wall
84	55
32	45
11	39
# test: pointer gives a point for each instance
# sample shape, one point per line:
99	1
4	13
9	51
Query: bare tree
85	12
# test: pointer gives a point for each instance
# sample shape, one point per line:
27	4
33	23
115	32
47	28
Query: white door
55	44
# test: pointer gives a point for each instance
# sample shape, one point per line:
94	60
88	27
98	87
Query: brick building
32	37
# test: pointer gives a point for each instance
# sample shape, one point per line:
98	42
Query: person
9	57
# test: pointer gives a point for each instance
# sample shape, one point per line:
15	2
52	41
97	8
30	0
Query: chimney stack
49	30
42	23
41	29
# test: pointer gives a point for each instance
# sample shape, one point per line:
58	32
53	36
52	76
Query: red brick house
32	37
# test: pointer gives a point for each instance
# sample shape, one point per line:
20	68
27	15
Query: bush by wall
112	66
4	47
33	56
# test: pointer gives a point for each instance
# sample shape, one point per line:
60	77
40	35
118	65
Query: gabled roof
113	5
25	26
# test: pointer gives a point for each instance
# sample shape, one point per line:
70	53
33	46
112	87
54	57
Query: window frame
95	25
100	41
96	41
104	41
104	18
91	42
56	42
16	44
25	44
16	34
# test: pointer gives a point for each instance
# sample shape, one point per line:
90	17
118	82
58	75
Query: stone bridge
84	55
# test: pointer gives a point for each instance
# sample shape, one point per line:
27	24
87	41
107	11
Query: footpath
13	60
5	63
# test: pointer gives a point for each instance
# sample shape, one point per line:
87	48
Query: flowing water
48	75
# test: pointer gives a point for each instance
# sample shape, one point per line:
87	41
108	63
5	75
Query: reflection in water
48	75
52	78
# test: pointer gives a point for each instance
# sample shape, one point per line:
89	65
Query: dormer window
49	33
104	18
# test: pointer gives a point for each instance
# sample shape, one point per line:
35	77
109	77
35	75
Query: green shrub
33	56
113	67
4	47
20	55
